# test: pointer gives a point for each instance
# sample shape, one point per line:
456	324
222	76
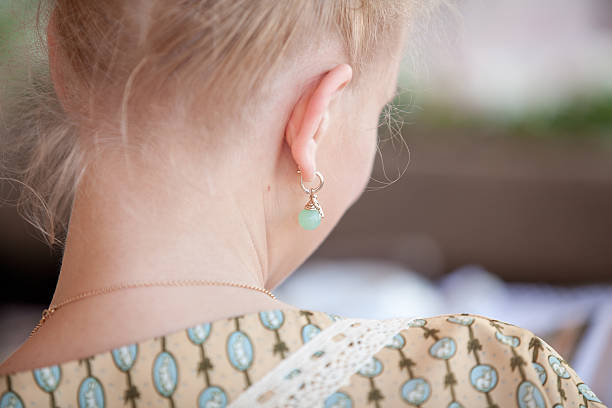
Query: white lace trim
323	365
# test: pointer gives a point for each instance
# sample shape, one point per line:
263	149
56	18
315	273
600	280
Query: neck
134	222
146	220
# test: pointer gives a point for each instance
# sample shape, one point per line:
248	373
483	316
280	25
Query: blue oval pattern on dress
48	378
416	391
483	377
558	367
417	323
212	397
165	374
541	372
125	356
240	350
334	317
198	334
10	400
272	319
462	320
396	342
455	404
338	400
91	394
558	406
372	368
529	396
507	340
293	373
587	393
443	349
309	331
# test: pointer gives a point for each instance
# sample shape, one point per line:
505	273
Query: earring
310	217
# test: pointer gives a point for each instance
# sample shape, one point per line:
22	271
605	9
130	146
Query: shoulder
478	331
463	358
472	323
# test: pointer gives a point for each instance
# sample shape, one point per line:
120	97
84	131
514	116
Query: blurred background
492	193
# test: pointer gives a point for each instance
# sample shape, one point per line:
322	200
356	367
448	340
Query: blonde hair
134	49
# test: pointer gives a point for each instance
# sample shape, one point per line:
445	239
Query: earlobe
310	118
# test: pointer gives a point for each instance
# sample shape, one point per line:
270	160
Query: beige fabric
444	361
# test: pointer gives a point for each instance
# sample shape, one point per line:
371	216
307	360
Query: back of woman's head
204	45
127	66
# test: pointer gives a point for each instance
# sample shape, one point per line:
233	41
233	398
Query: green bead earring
310	217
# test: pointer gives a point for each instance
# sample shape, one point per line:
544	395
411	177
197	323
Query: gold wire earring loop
312	190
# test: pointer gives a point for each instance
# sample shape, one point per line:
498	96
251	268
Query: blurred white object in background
509	56
361	288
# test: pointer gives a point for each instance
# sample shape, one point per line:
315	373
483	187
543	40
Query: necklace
173	283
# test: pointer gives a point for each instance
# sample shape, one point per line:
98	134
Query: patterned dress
449	361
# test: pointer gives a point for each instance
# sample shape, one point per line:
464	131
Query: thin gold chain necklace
176	283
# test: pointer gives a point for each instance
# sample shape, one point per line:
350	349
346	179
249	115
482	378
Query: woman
207	148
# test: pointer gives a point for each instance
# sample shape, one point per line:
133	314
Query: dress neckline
189	330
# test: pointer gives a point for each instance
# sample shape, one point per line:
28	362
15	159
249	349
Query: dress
449	361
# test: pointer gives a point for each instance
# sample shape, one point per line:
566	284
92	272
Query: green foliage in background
584	116
8	28
17	21
578	117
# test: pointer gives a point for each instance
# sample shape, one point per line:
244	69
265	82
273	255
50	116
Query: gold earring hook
312	190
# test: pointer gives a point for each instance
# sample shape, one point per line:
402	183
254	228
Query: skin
170	214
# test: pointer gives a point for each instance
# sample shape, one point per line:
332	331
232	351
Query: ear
310	117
